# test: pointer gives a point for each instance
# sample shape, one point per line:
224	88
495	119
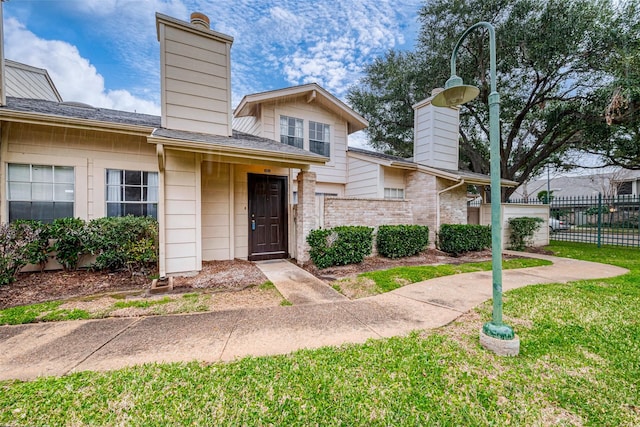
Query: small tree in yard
522	229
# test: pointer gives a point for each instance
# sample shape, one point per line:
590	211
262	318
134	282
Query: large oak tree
553	64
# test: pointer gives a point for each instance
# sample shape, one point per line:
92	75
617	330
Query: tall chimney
435	134
195	73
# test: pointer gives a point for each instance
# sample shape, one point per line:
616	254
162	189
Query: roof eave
247	153
62	121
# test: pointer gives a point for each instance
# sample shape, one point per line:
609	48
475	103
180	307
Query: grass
141	303
385	280
47	311
193	302
579	365
388	280
266	286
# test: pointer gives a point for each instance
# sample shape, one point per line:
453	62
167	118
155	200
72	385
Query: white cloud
359	140
74	76
277	43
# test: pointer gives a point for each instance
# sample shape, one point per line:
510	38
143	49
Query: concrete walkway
59	348
296	285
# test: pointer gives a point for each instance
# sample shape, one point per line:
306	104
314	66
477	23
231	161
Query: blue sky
105	52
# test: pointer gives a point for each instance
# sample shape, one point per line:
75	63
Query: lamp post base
501	331
501	347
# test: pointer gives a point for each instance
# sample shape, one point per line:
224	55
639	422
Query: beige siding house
366	187
249	184
306	117
217	193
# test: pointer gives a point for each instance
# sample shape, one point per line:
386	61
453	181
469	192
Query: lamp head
455	93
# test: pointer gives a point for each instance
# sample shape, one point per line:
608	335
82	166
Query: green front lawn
393	278
579	364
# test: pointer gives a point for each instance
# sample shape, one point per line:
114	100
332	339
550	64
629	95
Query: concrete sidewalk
296	285
30	351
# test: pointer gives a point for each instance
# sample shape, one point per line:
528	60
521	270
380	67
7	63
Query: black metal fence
594	219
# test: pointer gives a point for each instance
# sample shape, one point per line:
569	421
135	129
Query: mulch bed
31	288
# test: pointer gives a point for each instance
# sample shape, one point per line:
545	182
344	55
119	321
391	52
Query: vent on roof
200	20
77	104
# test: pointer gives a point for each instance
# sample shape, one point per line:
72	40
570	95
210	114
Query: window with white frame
132	193
394	193
319	139
291	131
40	192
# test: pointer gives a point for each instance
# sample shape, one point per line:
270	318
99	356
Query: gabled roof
26	81
401	163
313	92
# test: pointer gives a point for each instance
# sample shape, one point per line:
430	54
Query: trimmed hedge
340	245
397	241
458	238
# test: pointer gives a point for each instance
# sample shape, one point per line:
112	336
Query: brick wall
305	213
421	190
369	212
453	203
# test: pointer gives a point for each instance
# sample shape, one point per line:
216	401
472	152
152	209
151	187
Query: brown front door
267	217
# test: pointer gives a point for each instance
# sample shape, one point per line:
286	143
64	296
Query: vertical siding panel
181	185
215	211
363	178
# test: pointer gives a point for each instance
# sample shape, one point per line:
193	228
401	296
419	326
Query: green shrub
123	242
396	241
70	236
16	239
522	229
37	251
458	238
340	245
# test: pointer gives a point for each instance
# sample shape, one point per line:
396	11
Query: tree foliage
551	58
617	140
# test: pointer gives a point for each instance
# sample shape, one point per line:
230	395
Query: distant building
609	183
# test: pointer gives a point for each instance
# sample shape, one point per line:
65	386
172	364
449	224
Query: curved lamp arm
492	50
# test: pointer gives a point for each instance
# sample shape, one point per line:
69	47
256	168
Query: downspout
438	202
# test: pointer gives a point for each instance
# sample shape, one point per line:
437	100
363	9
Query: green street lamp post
456	93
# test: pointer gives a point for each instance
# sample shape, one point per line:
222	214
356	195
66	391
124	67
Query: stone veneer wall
453	203
421	190
305	213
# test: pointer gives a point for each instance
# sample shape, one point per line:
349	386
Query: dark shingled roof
381	156
78	111
462	173
239	139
